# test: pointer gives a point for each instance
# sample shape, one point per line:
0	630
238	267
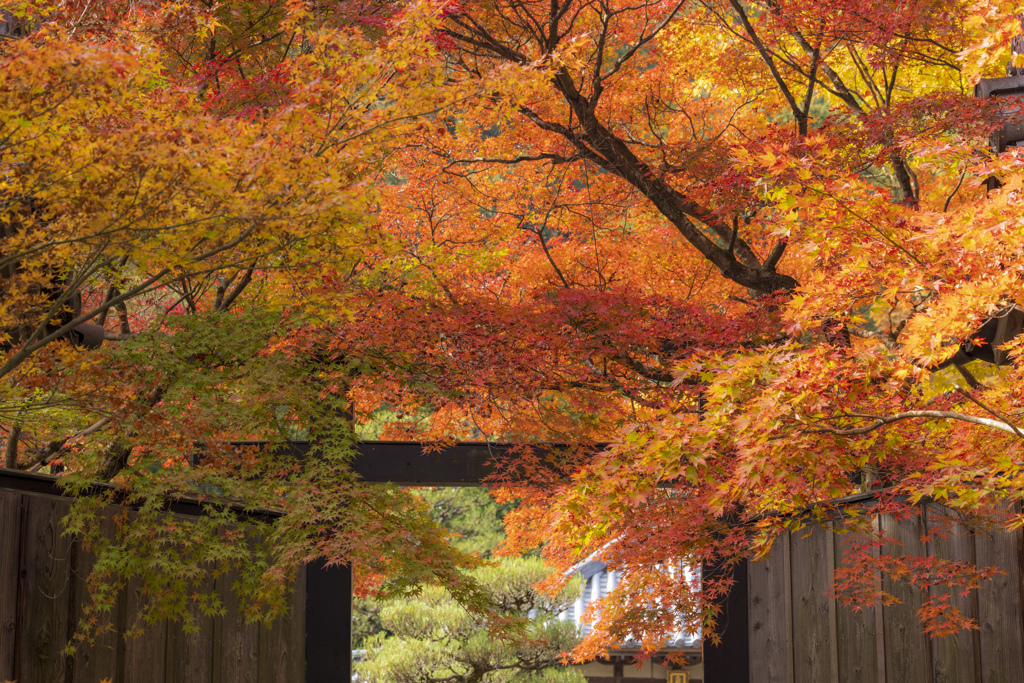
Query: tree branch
881	421
116	457
945	207
238	289
55	448
991	412
11	451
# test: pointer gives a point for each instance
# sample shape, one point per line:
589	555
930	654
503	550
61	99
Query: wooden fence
42	588
783	624
42	592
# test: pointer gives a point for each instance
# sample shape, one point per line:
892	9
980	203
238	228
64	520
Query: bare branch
988	410
116	457
881	421
776	254
55	448
544	156
968	376
945	207
11	451
239	288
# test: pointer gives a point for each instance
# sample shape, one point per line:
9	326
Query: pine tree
436	639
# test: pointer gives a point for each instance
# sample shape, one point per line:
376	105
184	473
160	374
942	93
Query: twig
945	207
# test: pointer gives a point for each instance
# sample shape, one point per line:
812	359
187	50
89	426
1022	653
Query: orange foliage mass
735	240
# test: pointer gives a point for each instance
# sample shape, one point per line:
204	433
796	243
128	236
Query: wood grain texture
857	650
769	631
145	654
833	626
999	609
283	643
191	654
879	612
787	566
45	591
812	584
907	652
236	643
296	668
952	656
97	660
43	597
10	552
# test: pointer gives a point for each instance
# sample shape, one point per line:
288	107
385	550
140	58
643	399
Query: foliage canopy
735	239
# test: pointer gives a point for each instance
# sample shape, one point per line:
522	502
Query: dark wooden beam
328	623
730	659
49	485
415	464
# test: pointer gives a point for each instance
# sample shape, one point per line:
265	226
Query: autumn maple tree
172	174
737	240
740	240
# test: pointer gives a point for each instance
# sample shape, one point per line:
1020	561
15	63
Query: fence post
328	623
729	662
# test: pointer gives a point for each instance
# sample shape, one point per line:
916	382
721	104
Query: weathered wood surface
791	602
812	614
10	554
43	597
190	655
999	610
910	661
98	660
236	643
282	642
145	647
954	657
856	632
769	630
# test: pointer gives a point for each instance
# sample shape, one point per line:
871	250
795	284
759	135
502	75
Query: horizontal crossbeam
411	463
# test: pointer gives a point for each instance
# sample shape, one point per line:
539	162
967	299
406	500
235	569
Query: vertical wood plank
44	596
999	609
96	661
191	654
145	653
282	641
907	653
787	569
812	583
768	627
296	669
329	626
953	655
329	623
857	650
236	642
880	654
833	625
10	555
